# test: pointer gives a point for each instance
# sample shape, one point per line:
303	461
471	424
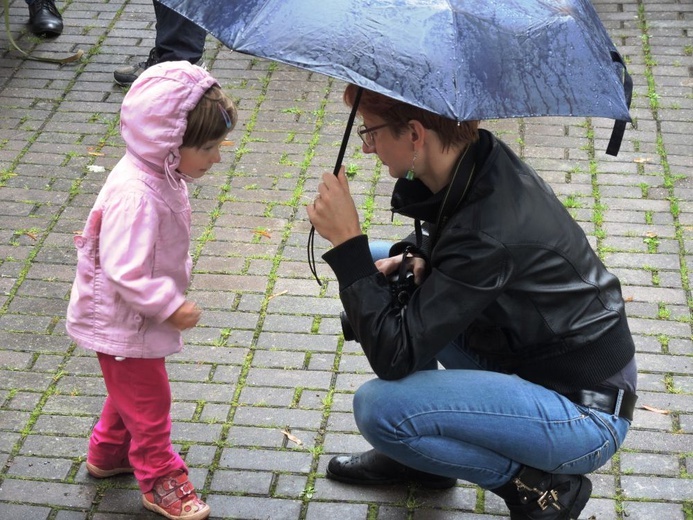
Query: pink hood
154	114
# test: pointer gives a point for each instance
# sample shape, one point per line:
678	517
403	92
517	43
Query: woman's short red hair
398	115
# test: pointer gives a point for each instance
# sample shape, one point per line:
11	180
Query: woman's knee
370	410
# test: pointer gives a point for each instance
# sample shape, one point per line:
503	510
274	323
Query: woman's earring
411	174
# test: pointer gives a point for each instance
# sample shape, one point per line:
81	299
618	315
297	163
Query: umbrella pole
347	131
337	166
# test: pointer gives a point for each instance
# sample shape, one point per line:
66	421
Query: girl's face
195	162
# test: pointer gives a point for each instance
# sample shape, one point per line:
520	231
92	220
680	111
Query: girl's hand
333	212
186	316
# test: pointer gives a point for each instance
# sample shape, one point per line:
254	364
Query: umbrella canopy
463	59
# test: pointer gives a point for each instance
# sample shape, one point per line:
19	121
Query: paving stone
278	417
320	511
650	463
253	507
40	467
124	501
48	425
654	488
54	493
25	512
70	515
252	436
331	490
291	378
251	482
649	510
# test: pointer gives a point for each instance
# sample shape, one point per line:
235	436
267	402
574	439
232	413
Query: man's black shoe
45	19
372	468
126	75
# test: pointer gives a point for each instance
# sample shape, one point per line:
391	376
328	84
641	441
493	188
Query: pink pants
135	422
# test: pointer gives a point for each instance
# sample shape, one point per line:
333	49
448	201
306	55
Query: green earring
411	174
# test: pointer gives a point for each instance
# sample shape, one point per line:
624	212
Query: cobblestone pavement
268	357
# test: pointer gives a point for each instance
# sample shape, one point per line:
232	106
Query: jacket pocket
118	322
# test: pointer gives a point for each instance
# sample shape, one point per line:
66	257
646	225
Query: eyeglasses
367	134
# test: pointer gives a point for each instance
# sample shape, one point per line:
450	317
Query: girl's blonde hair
211	119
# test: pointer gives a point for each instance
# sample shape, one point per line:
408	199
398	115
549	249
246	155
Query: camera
402	286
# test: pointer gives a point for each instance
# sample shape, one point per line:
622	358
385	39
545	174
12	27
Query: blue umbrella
463	59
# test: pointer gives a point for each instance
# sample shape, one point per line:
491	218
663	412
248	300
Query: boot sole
442	484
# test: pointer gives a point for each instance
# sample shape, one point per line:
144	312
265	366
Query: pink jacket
133	261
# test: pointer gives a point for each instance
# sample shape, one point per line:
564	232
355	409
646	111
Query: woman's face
394	152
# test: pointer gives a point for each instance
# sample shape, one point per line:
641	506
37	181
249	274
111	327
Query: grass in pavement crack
36	412
276	261
668	176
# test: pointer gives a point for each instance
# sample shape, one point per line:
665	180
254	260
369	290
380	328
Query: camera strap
459	186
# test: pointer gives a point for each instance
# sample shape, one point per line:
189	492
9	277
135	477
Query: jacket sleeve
470	271
128	249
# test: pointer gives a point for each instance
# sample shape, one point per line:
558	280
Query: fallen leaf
95	168
650	234
277	294
227	143
656	410
641	160
628	299
30	235
292	438
263	233
95	154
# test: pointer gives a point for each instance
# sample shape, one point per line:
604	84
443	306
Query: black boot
372	468
536	495
45	19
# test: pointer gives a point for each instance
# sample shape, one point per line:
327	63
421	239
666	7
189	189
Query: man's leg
177	38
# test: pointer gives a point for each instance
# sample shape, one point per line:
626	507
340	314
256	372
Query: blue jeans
379	249
473	423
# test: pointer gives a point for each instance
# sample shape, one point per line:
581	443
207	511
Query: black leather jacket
511	272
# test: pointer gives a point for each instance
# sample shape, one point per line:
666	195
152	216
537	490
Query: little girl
128	300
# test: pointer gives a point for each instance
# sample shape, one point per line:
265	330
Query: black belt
610	400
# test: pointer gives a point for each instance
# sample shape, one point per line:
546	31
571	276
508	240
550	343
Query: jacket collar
413	199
